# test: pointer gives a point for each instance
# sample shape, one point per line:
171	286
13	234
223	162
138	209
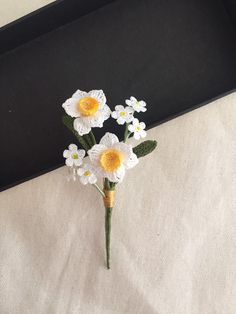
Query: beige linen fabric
173	231
15	9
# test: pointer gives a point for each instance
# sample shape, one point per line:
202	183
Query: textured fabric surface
13	9
173	230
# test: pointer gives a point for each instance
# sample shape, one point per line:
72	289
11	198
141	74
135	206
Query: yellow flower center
123	114
75	156
87	173
111	160
88	106
138	128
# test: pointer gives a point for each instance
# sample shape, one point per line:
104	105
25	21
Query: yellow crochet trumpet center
111	160
88	106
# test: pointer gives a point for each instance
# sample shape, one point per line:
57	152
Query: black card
176	55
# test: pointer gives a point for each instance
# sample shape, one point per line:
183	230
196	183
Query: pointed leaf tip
145	148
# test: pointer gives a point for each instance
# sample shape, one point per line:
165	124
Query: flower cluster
126	115
109	159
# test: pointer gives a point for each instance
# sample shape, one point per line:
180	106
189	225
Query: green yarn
87	141
69	123
144	148
90	139
108	212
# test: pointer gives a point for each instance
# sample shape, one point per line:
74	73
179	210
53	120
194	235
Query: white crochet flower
138	129
87	174
74	156
123	114
111	158
137	105
89	109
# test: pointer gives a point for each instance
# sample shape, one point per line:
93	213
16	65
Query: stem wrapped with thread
109	200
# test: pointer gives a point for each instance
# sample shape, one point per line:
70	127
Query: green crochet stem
110	186
108	212
127	132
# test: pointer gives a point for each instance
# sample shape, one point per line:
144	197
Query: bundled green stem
108	212
109	204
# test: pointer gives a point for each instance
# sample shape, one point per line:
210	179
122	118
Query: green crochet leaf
68	122
90	139
145	148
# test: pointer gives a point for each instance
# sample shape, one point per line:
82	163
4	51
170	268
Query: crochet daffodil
108	160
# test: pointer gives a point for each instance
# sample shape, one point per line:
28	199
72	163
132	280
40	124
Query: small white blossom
137	105
87	174
138	129
123	114
74	156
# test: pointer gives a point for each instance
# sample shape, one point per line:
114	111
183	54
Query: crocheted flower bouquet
109	159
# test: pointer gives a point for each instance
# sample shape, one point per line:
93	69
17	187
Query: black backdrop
176	55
